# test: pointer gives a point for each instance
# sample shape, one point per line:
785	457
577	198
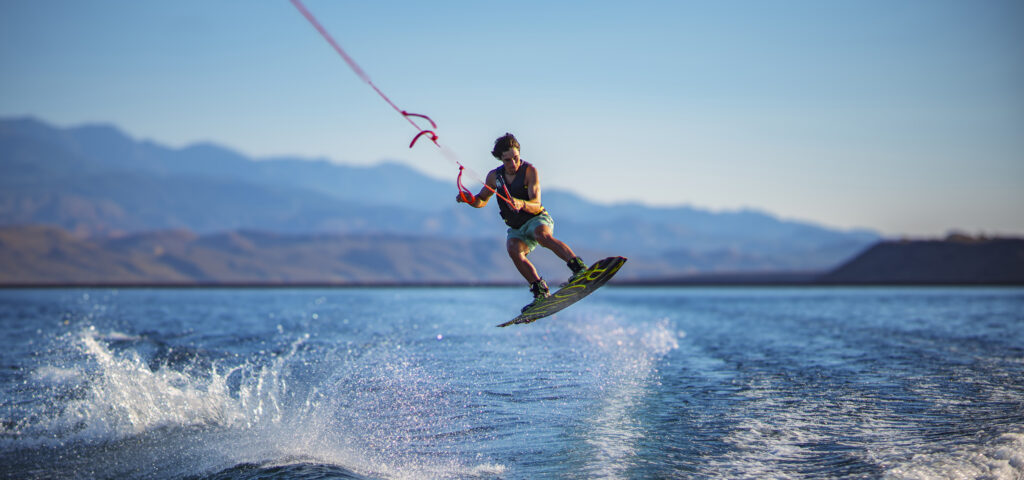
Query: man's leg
517	251
544	236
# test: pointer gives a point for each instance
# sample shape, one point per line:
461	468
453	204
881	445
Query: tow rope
464	193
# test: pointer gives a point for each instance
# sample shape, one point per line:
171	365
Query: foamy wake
775	432
631	352
999	459
778	432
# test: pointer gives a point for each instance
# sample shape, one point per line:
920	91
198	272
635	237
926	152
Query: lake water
418	383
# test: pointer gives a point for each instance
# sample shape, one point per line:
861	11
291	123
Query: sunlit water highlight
418	383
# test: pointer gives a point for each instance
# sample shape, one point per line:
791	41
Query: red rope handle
433	137
508	196
408	114
464	193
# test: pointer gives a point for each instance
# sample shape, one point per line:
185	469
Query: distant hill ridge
41	256
94	181
959	259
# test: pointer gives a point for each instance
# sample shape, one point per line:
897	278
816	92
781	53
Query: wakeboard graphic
598	274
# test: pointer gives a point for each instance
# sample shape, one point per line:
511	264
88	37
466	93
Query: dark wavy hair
503	143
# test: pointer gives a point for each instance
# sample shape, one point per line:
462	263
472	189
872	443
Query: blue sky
906	117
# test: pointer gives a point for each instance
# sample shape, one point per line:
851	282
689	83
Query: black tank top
516	188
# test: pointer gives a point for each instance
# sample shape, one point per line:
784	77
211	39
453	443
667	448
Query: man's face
511	160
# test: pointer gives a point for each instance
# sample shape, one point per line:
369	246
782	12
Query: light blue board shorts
525	232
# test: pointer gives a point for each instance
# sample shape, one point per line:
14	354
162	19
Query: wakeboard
598	274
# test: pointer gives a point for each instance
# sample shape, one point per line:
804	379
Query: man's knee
543	234
516	249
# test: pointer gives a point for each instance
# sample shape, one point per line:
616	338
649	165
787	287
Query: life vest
517	189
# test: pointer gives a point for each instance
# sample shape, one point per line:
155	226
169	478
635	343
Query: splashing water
417	383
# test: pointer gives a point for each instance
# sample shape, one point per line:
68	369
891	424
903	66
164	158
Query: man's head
503	144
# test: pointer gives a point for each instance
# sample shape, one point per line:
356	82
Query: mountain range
100	186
